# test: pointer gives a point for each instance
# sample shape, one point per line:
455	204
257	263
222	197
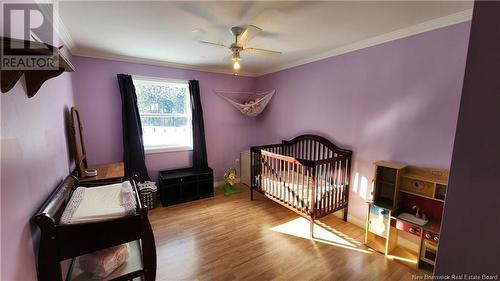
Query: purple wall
396	101
34	160
98	98
470	233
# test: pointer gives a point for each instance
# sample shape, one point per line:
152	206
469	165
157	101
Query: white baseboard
218	183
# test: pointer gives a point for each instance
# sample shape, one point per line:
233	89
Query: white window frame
188	115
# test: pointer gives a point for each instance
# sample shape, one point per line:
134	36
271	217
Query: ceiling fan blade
265	52
250	32
213	44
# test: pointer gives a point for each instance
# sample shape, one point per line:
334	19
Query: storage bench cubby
187	184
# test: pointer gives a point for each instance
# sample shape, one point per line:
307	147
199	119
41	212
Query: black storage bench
187	184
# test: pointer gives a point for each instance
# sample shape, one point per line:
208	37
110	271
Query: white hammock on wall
250	104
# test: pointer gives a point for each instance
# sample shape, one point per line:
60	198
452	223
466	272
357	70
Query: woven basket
147	191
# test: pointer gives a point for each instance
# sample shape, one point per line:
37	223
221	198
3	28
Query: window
165	111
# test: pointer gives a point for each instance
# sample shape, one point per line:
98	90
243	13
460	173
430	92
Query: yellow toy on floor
230	180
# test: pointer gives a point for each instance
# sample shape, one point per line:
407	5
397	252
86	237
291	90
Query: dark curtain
133	149
199	145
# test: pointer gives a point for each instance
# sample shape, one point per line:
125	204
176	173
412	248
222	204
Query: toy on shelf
230	181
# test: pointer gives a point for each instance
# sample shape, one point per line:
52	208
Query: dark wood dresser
187	184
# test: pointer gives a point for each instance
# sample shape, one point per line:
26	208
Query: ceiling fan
242	35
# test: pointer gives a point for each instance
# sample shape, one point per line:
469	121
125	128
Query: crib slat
326	195
339	183
313	155
266	172
276	182
304	150
308	150
273	175
323	179
335	185
290	186
263	173
319	184
317	189
303	198
286	185
342	179
287	182
312	190
282	182
300	188
332	181
306	189
330	192
335	175
268	182
327	189
294	188
278	179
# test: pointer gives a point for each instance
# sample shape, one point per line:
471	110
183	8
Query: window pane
166	131
165	112
157	98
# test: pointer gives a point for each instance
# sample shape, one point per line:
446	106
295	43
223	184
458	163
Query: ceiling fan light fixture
236	65
242	35
236	56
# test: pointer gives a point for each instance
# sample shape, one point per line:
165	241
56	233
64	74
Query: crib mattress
300	184
99	203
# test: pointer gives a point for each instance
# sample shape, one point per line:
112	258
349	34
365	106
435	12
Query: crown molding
129	59
433	24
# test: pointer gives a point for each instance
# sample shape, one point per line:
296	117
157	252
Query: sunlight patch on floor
300	227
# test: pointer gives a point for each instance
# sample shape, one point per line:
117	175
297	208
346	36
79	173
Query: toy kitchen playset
404	217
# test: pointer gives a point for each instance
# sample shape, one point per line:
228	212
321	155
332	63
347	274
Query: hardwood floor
233	238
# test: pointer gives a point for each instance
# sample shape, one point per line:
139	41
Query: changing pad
91	204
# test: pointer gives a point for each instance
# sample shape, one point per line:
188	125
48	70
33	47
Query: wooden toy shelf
399	189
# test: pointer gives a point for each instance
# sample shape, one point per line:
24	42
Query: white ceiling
167	33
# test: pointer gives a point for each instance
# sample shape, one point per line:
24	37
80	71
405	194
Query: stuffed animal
230	180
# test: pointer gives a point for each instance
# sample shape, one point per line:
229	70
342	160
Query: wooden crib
308	174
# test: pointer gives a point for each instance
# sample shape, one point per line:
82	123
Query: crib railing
286	180
314	184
